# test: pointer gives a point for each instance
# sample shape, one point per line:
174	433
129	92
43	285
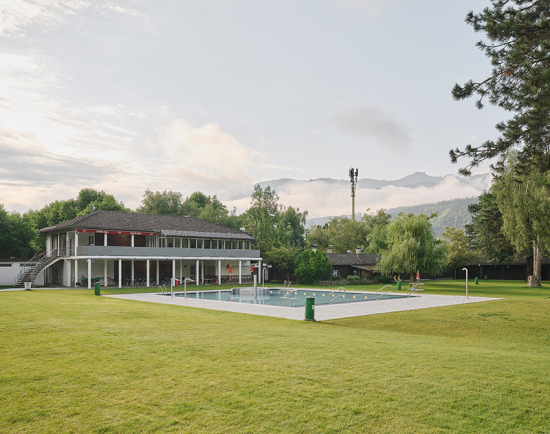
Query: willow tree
518	44
524	201
412	247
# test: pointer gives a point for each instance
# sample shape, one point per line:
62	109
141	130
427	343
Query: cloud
374	123
205	156
371	7
323	199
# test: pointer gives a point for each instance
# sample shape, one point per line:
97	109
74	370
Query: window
177	243
199	244
185	243
193	244
235	244
91	240
336	273
170	242
163	242
246	245
227	244
214	244
206	244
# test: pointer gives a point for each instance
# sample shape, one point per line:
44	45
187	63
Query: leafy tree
17	235
161	202
378	225
523	200
282	259
518	33
262	218
342	233
458	251
485	232
412	246
292	226
311	266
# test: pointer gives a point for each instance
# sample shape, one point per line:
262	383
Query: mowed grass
74	362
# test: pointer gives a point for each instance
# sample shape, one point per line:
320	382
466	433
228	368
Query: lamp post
466	270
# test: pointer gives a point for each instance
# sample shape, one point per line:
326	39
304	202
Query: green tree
292	226
262	218
17	235
342	233
518	45
458	251
523	198
377	224
161	202
485	231
311	266
282	259
412	246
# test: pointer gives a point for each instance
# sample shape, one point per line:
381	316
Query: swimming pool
287	297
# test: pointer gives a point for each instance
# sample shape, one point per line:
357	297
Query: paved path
322	312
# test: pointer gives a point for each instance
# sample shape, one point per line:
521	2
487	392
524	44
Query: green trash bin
399	285
310	309
97	291
477	280
485	277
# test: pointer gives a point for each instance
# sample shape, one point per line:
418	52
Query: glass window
227	244
214	244
163	242
185	243
199	244
246	245
193	244
170	242
206	244
178	243
235	244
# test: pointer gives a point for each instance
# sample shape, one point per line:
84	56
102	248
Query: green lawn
74	362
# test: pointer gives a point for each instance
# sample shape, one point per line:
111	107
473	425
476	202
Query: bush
385	279
311	266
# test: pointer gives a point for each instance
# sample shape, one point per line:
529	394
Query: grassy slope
73	362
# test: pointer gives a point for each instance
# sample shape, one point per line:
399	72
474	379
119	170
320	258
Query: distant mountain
449	213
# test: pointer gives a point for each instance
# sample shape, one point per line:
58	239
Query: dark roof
352	259
128	221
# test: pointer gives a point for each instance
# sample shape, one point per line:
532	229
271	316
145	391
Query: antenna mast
353	173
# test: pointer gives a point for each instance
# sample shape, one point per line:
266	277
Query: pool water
287	297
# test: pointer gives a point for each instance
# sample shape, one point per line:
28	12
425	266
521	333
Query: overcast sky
215	95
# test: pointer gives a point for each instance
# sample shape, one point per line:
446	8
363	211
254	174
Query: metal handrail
27	265
387	292
44	260
287	298
341	294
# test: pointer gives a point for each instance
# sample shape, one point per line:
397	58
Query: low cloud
376	124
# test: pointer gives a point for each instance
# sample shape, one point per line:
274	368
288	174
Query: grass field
74	362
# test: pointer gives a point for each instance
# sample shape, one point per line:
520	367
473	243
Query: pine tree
518	45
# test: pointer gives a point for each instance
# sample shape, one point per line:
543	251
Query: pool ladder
341	294
387	292
287	299
163	290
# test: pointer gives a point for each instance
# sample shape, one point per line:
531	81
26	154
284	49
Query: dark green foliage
450	213
385	279
17	235
282	259
311	266
518	33
412	246
485	232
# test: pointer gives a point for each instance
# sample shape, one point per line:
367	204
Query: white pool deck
322	312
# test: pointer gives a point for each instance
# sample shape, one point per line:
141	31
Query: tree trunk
412	277
529	262
455	274
536	260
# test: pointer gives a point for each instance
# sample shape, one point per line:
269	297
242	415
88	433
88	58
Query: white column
181	271
120	273
158	273
132	240
105	239
202	271
148	272
220	271
197	275
132	276
75	243
173	268
105	277
89	274
75	272
240	272
260	272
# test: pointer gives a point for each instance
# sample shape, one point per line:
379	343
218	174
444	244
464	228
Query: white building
119	248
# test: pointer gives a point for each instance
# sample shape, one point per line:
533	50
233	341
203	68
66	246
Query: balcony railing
119	251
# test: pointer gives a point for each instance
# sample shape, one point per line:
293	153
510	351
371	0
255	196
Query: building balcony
166	252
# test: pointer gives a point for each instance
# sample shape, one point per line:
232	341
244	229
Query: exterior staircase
34	266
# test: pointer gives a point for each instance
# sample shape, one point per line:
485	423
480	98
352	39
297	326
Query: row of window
199	243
